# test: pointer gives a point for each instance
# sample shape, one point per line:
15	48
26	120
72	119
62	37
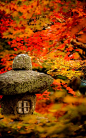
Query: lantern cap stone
22	79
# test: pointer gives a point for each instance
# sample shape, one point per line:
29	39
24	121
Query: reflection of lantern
20	85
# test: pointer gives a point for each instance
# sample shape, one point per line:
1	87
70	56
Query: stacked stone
20	85
22	79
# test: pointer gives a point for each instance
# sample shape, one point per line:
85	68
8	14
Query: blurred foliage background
53	34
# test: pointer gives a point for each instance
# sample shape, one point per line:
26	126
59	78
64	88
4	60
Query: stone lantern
19	86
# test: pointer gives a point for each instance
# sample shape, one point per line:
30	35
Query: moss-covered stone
22	81
20	85
22	61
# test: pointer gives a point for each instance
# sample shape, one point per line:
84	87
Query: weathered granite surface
22	81
21	84
22	62
9	103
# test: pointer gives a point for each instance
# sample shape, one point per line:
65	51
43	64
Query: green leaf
61	77
55	107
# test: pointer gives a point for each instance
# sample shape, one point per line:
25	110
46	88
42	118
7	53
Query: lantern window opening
23	107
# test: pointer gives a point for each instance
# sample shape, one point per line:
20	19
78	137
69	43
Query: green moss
17	82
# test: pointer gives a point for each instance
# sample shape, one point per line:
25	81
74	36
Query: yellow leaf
55	107
1	116
40	129
10	29
51	55
84	101
7	11
70	99
15	13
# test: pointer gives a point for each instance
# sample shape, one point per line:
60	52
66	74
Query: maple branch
81	46
78	44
